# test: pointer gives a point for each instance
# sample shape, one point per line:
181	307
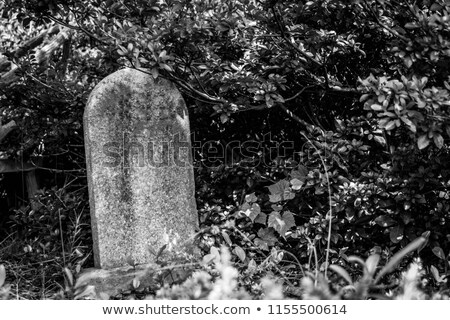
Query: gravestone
139	170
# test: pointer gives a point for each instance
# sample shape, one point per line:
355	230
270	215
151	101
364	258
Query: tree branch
7	128
5	63
377	20
286	39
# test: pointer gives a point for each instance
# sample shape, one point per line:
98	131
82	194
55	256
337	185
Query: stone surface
113	282
139	169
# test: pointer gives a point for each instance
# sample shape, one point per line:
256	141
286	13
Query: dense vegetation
332	116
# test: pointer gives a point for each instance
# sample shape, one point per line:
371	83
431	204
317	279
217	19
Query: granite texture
114	282
139	169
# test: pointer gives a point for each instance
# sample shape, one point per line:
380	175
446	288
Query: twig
377	20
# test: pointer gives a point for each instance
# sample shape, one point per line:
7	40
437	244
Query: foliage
55	235
340	110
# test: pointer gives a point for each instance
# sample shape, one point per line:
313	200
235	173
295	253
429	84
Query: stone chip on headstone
139	169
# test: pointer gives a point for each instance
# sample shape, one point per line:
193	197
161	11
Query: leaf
162	54
376	107
261	218
274	198
296	184
207	258
410	124
436	275
385	221
155	73
364	97
226	237
268	235
2	275
289	220
212	256
411	25
396	234
380	140
165	67
390	125
131	261
423	141
408	62
280	191
67	272
251	197
275	221
435	7
438	140
251	211
263	245
136	283
372	263
223	117
438	252
342	272
393	262
251	267
240	253
281	223
301	173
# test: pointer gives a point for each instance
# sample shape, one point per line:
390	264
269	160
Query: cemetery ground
187	149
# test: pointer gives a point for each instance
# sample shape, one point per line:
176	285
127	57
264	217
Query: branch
40	55
283	35
296	118
5	63
36	41
9	165
377	20
7	128
298	93
46	51
189	87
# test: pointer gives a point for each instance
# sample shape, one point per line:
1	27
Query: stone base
102	284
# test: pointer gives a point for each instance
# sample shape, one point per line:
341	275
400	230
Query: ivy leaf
263	245
252	211
280	191
296	184
251	197
268	235
261	218
281	223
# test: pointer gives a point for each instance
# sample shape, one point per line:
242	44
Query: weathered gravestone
139	169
